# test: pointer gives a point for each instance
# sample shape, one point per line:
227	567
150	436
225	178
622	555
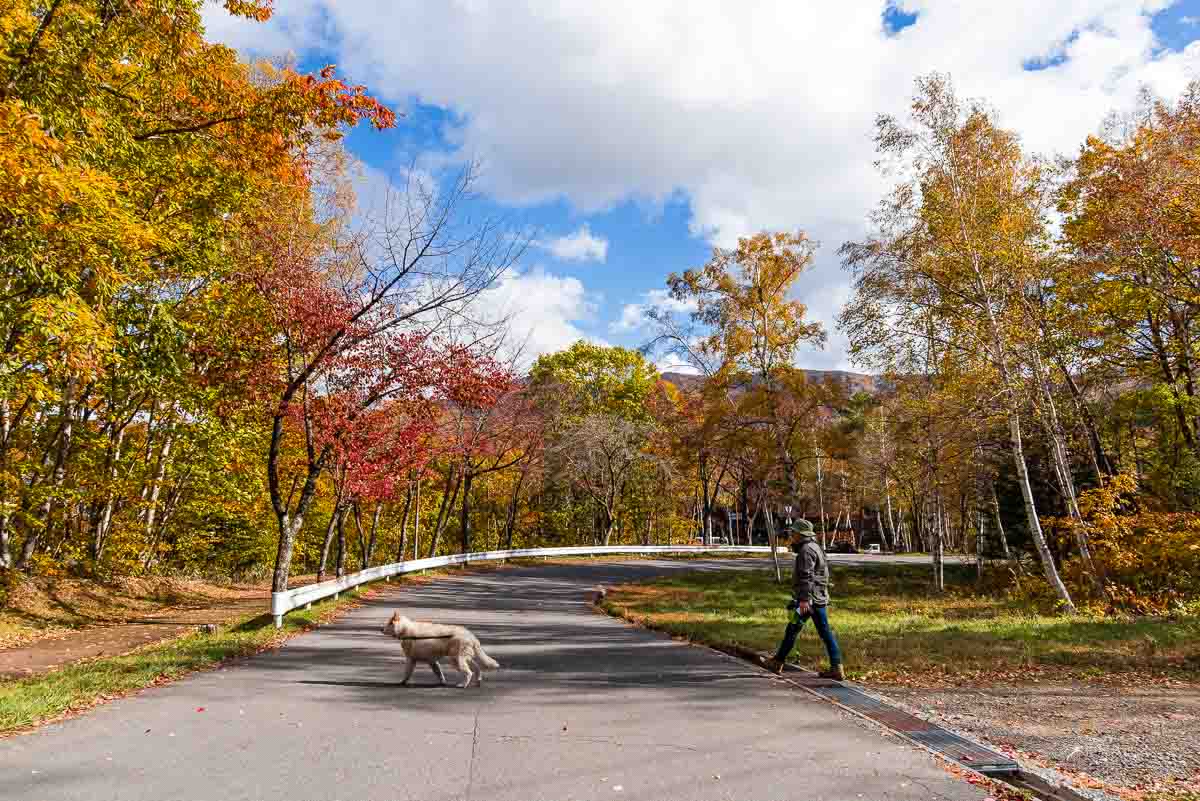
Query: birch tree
955	245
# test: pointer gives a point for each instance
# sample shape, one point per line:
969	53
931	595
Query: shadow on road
559	655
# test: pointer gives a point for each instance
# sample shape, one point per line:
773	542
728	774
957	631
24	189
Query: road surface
586	707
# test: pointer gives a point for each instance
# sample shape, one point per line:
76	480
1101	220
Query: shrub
1148	561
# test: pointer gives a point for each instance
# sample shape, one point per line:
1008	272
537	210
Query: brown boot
774	665
835	672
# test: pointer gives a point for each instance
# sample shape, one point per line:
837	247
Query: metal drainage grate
930	735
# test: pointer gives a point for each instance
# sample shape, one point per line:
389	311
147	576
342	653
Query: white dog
429	642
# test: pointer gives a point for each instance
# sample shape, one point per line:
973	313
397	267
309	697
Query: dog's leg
464	664
438	670
410	665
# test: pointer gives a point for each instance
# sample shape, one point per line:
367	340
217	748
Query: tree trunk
449	495
773	540
608	519
1062	471
160	472
821	497
58	475
164	520
468	479
289	527
360	535
366	540
290	524
979	543
1008	556
510	520
1100	459
329	529
102	522
1018	453
6	427
887	491
1164	361
939	576
340	564
1035	525
5	542
374	531
417	521
408	497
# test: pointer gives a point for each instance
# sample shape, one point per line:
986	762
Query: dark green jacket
810	578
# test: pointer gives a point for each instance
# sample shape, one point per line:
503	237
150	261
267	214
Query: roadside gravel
1124	737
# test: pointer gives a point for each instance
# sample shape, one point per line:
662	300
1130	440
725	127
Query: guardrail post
279	621
337	595
308	606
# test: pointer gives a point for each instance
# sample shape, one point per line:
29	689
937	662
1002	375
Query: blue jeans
820	619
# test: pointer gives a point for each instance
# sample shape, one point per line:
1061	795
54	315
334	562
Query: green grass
28	702
893	628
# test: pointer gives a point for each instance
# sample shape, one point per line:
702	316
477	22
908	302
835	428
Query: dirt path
65	646
47	624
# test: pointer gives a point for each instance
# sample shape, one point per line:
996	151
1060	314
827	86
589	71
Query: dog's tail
485	660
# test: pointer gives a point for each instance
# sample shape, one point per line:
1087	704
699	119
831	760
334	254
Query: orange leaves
258	10
333	102
1150	561
744	295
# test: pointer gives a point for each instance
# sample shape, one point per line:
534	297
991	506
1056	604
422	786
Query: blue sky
633	137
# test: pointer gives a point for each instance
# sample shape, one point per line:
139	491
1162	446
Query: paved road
586	708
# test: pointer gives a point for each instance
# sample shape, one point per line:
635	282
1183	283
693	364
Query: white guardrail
284	602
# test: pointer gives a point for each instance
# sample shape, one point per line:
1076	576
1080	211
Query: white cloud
670	364
633	315
544	311
759	113
824	301
582	245
302	26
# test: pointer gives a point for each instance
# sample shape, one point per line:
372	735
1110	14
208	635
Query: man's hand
803	607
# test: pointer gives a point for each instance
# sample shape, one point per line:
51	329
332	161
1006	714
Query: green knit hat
801	528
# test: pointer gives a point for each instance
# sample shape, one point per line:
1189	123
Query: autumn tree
376	303
133	150
955	247
600	454
486	423
598	420
745	330
1132	203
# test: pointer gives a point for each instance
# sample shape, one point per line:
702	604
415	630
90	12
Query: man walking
810	591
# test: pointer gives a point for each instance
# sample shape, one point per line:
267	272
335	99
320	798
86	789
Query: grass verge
894	629
25	703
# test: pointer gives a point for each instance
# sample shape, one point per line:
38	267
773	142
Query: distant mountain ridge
854	382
